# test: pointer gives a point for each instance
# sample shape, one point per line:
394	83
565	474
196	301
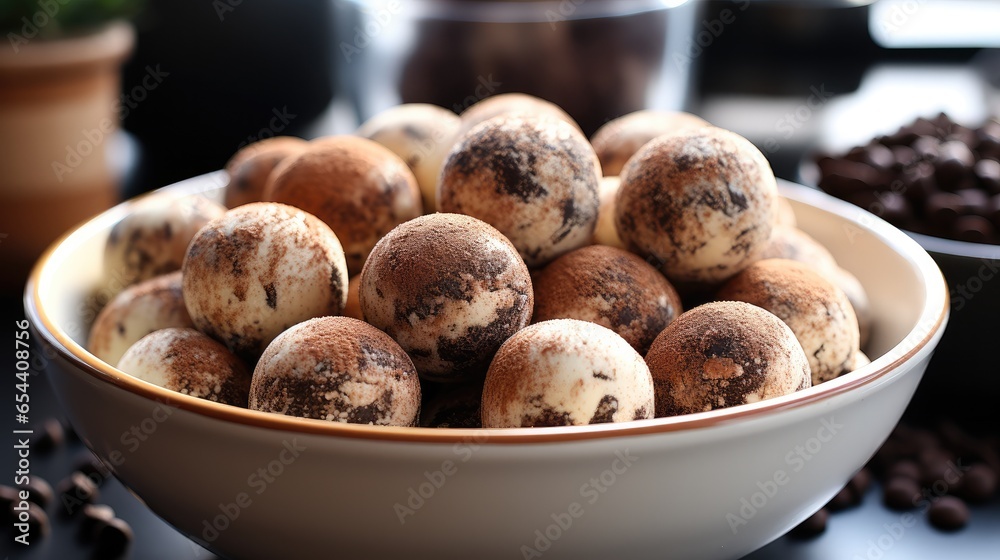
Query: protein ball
605	233
139	310
534	178
789	242
358	187
191	363
353	306
619	139
259	269
510	104
858	297
564	373
818	312
450	290
337	369
786	214
250	167
611	287
422	135
701	202
152	239
723	354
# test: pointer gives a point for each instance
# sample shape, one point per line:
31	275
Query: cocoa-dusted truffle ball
337	369
789	242
250	167
605	233
533	178
858	361
452	405
817	311
353	306
723	354
450	290
151	240
358	187
259	269
187	361
858	297
422	135
619	139
610	287
137	311
786	214
702	202
510	104
566	373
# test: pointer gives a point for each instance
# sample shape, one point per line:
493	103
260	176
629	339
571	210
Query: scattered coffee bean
812	527
861	482
948	513
979	483
50	436
91	466
75	491
39	491
94	517
844	499
904	469
901	493
113	539
37	520
8	497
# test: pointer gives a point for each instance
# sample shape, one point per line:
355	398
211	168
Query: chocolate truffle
510	104
817	311
605	232
358	187
858	361
139	310
621	138
858	297
187	361
250	167
259	269
702	202
789	242
353	306
534	178
723	354
786	214
566	372
450	289
422	135
151	240
337	369
611	287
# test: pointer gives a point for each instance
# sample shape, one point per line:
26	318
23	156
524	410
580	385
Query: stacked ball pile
484	269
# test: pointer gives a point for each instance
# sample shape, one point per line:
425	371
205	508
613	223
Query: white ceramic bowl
711	485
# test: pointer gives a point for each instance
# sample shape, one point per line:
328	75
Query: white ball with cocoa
250	167
611	287
817	311
619	139
422	135
702	202
259	269
534	178
140	309
450	289
790	242
605	232
566	372
511	104
358	187
340	370
724	354
187	361
152	238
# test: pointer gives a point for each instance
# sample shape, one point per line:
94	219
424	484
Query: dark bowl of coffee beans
939	180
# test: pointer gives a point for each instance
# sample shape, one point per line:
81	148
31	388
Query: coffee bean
904	469
37	520
813	526
926	148
39	491
948	513
860	483
987	171
979	483
844	499
75	491
943	209
8	497
901	493
94	517
953	163
113	539
50	436
975	229
879	157
91	466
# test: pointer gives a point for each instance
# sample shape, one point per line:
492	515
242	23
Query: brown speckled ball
621	138
450	290
140	309
702	202
611	287
533	178
605	233
509	104
250	167
353	306
337	369
187	361
358	187
153	238
858	297
259	269
786	214
818	312
724	354
422	135
566	373
789	242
